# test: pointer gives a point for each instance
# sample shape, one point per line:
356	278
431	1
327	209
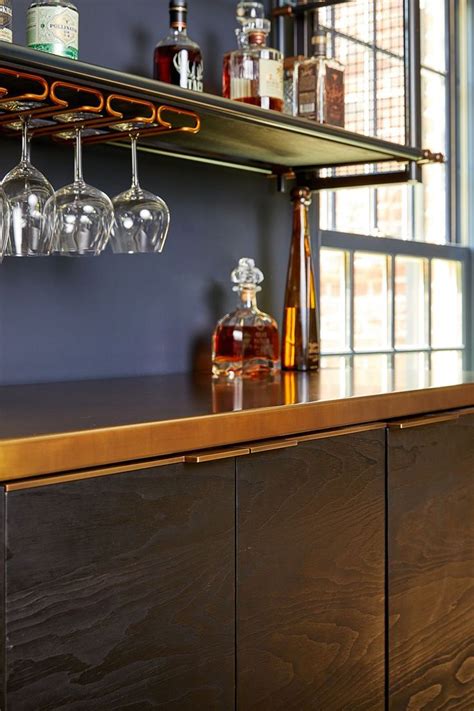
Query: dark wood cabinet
311	576
120	592
431	566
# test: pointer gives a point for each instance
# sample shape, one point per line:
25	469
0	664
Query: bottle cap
320	42
302	195
246	274
178	12
247	10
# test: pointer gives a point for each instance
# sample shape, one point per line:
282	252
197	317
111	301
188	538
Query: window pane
334	312
411	370
356	19
389	26
434	197
353	208
390	98
446	303
411	302
371	302
358	85
433	98
446	367
392	211
433	34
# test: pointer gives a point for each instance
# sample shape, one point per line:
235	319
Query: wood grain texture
120	592
311	577
431	574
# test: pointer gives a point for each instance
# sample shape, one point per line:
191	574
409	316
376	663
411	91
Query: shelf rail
58	108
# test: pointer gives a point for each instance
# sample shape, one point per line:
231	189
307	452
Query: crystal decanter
246	342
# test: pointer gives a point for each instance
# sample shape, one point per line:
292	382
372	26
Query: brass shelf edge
424	421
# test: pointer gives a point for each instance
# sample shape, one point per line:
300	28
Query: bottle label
6	20
54	30
271	78
191	73
334	97
307	90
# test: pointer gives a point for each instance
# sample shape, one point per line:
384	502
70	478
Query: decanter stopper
247	275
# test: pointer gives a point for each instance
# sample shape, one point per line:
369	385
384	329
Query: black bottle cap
178	12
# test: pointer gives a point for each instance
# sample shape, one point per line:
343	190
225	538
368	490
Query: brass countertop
58	427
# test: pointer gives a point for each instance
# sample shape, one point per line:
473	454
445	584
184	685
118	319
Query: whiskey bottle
53	27
300	340
177	59
6	20
246	11
246	342
256	71
320	85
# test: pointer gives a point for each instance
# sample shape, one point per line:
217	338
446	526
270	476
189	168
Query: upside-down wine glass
4	223
142	219
83	215
28	191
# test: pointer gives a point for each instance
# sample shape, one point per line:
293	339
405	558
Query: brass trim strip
271	446
424	421
215	455
341	432
90	474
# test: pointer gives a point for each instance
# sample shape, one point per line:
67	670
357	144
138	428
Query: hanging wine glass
28	191
4	223
83	216
142	219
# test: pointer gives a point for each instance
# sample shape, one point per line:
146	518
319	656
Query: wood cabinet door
120	592
431	569
311	576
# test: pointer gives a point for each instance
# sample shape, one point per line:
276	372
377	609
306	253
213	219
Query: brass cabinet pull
55	479
424	421
357	429
215	455
271	446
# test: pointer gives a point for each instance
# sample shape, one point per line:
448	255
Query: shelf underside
231	133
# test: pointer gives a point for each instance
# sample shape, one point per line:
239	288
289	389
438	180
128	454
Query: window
392	273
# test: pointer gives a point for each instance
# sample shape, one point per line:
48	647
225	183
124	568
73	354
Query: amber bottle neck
248	297
301	204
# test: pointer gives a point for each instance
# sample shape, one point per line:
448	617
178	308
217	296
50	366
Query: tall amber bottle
300	342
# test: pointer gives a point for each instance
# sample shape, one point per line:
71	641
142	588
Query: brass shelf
231	133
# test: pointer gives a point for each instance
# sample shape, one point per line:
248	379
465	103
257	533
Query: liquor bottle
53	27
178	60
256	71
246	10
6	20
246	342
300	340
290	68
320	85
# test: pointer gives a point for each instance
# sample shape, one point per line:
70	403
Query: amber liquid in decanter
246	342
301	343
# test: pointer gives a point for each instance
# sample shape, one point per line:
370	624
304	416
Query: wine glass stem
135	183
78	176
25	142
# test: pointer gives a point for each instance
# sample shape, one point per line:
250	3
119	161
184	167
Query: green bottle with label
53	27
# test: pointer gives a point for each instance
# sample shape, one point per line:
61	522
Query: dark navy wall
111	316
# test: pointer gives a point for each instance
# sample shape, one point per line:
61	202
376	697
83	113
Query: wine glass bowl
142	219
81	215
28	191
4	223
141	222
82	220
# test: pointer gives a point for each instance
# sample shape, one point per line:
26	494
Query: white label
54	29
6	35
240	88
271	78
